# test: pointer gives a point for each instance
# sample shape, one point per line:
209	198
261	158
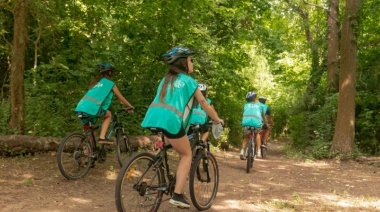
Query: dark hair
177	67
96	79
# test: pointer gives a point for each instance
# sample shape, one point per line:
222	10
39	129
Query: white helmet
202	87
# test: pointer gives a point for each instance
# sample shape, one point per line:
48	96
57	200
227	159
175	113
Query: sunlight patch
80	200
27	176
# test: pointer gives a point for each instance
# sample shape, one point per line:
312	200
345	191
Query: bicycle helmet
250	96
175	53
202	87
103	67
262	99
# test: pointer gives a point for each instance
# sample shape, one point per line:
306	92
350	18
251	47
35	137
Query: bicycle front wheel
139	184
123	147
74	156
204	181
249	155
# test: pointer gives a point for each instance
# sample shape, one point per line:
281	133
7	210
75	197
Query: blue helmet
103	67
250	96
175	53
262	99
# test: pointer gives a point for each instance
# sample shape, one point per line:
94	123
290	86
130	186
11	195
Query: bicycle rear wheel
249	155
204	181
74	156
123	148
139	184
263	152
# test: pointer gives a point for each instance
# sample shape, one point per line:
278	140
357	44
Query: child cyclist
171	109
98	98
253	116
199	116
269	116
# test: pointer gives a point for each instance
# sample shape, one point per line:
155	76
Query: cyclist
171	109
253	116
269	117
199	116
98	98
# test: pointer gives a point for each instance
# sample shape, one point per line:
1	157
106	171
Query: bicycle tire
198	181
263	152
134	191
74	156
249	155
123	147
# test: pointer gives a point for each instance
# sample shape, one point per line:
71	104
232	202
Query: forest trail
277	183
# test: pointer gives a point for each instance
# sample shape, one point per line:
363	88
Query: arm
264	118
121	98
207	107
270	117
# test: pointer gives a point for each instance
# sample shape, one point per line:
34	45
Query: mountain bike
251	150
145	178
78	151
263	147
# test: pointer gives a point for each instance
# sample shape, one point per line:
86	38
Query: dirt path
276	183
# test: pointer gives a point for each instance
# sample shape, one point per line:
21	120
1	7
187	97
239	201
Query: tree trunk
332	46
20	38
344	135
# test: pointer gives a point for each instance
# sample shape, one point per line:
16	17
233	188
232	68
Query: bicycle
251	150
263	147
145	178
78	151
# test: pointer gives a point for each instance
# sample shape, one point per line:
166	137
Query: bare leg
105	124
258	141
244	142
204	136
266	135
182	146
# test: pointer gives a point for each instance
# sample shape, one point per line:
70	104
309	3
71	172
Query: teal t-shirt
252	114
98	96
175	110
199	116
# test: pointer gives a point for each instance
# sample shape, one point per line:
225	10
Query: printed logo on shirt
99	85
179	84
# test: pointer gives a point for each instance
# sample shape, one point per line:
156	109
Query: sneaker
258	153
180	201
242	155
105	141
264	145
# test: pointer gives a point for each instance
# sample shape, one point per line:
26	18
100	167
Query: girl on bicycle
171	109
98	99
199	116
253	116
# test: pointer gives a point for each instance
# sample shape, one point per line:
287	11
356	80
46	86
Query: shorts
86	118
202	129
247	131
180	134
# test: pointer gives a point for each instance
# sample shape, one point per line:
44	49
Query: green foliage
368	123
4	116
321	125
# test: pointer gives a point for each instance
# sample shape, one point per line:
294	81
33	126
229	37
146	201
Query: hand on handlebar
219	122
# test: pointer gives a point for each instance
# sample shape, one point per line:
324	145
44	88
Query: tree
344	134
332	46
20	39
